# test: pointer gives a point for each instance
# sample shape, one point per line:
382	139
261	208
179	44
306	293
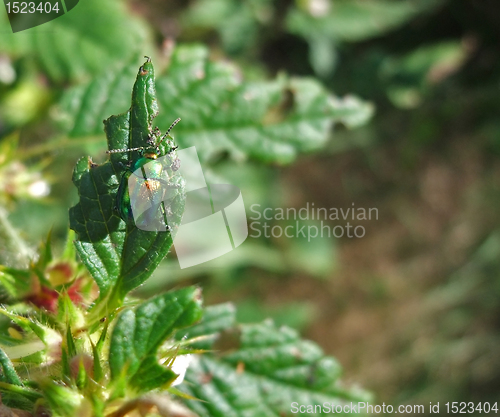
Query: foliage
411	304
119	256
73	49
78	347
270	369
272	121
323	24
409	78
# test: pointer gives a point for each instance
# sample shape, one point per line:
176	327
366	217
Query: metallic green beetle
147	185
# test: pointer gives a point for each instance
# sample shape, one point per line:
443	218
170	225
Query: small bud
60	274
81	361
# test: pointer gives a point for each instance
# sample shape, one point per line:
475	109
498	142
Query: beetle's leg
164	215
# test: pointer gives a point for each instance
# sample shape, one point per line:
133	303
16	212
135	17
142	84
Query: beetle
148	183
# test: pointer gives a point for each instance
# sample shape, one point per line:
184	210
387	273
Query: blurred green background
412	309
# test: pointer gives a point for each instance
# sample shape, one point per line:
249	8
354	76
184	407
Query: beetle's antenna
146	147
169	129
125	150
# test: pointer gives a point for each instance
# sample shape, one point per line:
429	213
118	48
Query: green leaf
271	369
33	351
63	401
83	42
70	343
118	255
83	107
68	313
326	24
238	24
9	374
15	282
272	121
215	319
47	335
410	77
139	333
98	371
353	20
18	396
